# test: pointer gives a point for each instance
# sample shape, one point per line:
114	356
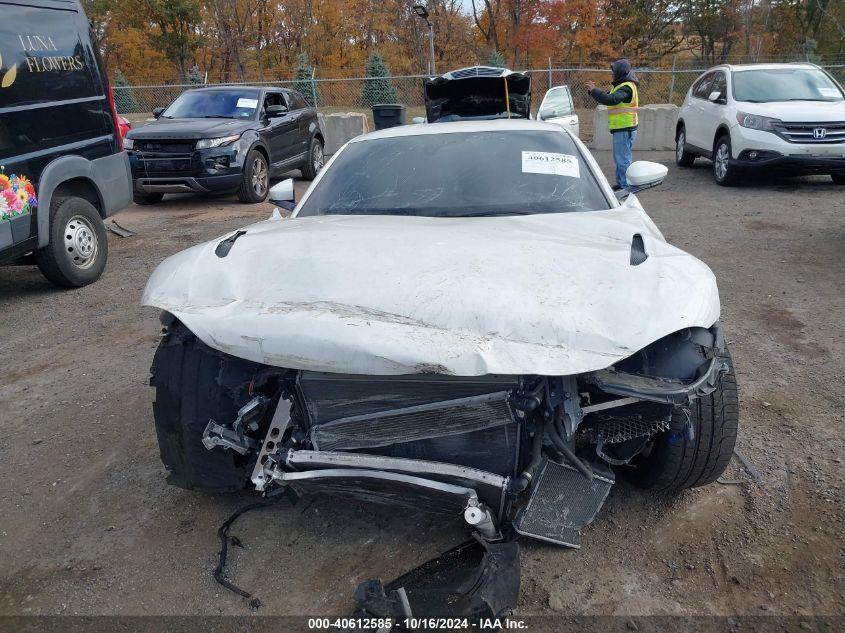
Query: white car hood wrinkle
550	294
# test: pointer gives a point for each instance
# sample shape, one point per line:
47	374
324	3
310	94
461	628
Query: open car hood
551	294
478	92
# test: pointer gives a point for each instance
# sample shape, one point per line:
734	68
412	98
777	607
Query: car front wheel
256	179
682	157
723	172
678	459
78	249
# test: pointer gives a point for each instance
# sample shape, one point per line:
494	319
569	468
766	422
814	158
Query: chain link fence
657	85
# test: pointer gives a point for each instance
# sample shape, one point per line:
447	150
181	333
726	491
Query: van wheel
147	198
682	157
723	172
78	249
256	179
675	462
316	158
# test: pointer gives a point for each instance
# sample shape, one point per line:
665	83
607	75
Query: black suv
225	139
62	168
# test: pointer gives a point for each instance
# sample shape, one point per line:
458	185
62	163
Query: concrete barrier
341	127
656	129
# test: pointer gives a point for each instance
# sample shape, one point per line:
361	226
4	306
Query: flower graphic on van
9	76
17	196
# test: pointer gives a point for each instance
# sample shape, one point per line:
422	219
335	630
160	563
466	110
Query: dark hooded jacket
622	72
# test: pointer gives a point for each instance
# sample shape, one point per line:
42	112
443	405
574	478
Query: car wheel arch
680	125
721	131
66	176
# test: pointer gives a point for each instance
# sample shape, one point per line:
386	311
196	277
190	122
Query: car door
559	100
695	122
299	107
281	132
712	110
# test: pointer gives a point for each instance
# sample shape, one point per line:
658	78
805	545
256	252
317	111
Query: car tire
79	247
839	179
192	387
723	172
682	157
675	462
147	198
316	159
255	184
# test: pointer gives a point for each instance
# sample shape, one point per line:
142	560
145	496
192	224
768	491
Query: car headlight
207	143
128	143
756	122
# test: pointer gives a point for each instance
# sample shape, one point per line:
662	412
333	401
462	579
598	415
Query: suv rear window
43	59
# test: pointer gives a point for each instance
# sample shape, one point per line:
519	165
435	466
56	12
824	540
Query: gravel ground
89	526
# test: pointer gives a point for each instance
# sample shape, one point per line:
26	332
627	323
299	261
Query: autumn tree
175	30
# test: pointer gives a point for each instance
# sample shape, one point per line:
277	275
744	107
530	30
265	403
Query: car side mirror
548	113
157	112
716	97
283	195
274	111
644	174
417	120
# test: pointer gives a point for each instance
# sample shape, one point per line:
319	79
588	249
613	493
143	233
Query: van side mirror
716	97
283	195
548	113
157	112
644	174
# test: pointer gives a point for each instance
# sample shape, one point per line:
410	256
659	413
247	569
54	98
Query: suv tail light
114	118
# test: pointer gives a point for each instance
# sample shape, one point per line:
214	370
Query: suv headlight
128	143
756	122
207	143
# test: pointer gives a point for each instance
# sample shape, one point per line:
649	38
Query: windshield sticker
829	92
550	163
247	103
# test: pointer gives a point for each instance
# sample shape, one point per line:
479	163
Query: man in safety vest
622	102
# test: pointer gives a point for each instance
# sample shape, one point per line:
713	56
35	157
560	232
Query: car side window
720	85
296	101
701	88
273	98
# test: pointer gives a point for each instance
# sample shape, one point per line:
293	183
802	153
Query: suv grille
180	146
819	133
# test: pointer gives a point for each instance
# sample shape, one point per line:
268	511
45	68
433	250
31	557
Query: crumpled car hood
552	294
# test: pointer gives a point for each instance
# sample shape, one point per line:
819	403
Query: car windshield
458	174
215	104
784	84
557	99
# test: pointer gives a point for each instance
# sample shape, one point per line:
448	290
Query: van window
701	88
43	59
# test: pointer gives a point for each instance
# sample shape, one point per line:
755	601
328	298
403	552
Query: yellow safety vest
624	115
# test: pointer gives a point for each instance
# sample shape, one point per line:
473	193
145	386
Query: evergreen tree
496	60
378	88
124	97
195	76
303	83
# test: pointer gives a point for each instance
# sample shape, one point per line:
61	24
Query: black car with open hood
478	92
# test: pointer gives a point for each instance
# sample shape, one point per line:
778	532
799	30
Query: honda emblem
819	133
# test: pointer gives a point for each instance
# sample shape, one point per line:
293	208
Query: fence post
550	73
672	83
313	87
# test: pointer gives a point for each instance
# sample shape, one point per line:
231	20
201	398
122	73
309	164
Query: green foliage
124	97
303	84
178	33
195	77
378	88
496	59
809	52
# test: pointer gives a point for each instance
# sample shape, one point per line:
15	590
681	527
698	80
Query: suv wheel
256	179
147	198
78	249
682	157
723	172
316	159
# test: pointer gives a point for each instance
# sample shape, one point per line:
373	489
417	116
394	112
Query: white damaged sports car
457	317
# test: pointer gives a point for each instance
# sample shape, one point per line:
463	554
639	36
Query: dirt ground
88	525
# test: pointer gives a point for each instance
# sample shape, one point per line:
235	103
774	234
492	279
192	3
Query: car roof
237	87
452	127
762	66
